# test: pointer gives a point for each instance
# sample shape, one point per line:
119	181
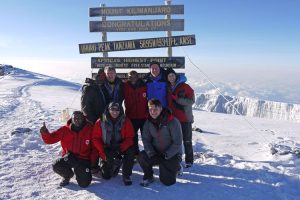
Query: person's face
77	119
133	78
172	78
114	112
154	111
110	75
155	70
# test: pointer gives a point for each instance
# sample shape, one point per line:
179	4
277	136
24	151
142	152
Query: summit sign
137	10
137	25
161	42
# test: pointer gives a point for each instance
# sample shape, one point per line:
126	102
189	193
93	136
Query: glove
165	156
44	128
71	159
95	169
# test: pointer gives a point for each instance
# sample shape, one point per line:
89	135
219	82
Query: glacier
247	106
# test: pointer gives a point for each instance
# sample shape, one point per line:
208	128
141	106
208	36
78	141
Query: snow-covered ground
232	156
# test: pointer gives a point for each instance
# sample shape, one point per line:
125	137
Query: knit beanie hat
169	71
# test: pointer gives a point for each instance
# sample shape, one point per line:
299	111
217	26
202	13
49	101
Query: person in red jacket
78	151
135	96
115	133
180	100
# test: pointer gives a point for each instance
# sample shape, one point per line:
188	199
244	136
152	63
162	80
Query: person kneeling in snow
162	139
115	133
78	152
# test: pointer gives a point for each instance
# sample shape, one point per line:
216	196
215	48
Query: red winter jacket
127	134
80	144
135	100
184	96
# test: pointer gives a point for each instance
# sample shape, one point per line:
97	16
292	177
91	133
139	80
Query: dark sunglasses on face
114	109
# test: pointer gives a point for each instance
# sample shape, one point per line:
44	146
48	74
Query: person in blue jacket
157	84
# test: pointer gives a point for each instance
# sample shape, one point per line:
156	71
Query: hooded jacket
107	133
78	143
163	137
157	87
181	107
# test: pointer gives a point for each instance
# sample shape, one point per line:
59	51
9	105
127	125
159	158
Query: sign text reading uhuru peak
161	42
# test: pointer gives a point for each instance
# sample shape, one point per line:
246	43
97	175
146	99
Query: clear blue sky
229	33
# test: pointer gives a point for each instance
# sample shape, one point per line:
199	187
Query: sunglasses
114	109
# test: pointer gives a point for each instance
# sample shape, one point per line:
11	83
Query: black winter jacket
92	101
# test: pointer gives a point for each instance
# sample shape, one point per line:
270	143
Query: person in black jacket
93	100
112	86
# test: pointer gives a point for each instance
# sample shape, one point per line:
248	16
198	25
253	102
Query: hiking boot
66	181
188	165
146	182
127	181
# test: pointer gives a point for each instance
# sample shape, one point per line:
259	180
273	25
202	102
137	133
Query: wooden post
169	33
104	34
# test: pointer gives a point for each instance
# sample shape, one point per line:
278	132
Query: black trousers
115	160
167	168
187	141
82	169
137	124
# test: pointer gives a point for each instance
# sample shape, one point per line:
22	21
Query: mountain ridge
247	106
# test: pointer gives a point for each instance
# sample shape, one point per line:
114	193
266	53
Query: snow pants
115	160
63	167
187	141
167	168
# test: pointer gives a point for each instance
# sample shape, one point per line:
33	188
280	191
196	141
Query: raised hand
44	128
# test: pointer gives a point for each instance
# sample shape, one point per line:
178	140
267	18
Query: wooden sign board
125	75
122	75
137	62
137	10
149	43
137	25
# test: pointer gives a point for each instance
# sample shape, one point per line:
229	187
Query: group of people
103	137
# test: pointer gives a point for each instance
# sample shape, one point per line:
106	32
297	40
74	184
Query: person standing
115	133
162	139
112	86
180	100
78	152
135	99
93	100
157	84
